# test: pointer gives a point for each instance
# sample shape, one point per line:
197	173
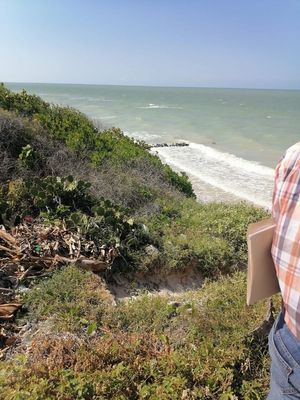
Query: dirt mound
159	282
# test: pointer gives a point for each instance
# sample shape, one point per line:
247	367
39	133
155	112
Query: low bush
22	103
51	197
70	126
180	181
28	151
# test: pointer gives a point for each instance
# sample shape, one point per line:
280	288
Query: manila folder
262	280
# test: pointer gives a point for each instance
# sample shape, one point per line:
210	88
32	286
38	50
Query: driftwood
88	263
7	237
7	311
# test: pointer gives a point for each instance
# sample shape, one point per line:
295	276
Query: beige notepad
262	280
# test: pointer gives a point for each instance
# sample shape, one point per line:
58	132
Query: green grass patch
73	299
211	236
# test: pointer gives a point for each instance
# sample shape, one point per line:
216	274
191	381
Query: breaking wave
241	178
153	106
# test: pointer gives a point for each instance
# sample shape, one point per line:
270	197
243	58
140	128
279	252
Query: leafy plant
28	156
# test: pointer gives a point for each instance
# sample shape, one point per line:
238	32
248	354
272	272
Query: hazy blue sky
228	43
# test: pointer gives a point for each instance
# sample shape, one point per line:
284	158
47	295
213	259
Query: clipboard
262	280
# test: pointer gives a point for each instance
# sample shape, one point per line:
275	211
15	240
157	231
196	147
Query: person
284	338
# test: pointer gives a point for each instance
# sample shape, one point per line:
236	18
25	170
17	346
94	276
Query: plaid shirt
286	241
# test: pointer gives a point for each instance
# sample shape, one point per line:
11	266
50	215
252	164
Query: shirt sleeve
286	241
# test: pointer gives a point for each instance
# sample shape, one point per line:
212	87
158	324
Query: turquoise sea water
236	136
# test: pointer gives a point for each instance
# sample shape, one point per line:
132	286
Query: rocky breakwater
180	144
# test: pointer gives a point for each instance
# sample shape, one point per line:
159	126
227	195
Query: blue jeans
284	350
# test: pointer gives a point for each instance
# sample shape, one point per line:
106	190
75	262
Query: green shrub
113	144
70	126
22	103
55	197
180	181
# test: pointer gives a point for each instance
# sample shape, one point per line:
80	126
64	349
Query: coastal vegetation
60	170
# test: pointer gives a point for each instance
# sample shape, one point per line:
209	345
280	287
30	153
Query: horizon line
150	86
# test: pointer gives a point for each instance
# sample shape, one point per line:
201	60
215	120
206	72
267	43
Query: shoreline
208	193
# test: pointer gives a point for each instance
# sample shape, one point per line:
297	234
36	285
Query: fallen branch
7	237
8	250
25	273
7	311
3	289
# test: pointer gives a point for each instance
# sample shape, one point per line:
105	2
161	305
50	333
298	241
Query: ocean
235	136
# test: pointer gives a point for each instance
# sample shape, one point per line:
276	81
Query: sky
202	43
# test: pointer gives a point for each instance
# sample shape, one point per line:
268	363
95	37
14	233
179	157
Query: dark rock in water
180	144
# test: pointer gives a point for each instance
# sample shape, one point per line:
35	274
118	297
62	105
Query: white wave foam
108	117
153	106
232	160
242	178
143	135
